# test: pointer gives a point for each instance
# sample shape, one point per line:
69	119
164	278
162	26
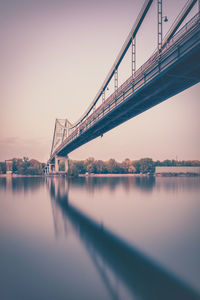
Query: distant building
177	170
9	166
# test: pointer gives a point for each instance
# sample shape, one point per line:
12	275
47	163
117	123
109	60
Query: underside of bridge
168	83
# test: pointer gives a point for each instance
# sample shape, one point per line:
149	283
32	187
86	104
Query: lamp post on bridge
116	79
133	56
160	23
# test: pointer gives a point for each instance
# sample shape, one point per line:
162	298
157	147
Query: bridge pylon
61	132
59	166
58	160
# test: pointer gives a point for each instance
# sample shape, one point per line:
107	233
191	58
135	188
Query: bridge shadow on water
142	277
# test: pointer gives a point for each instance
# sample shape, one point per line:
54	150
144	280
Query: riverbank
102	175
141	175
115	175
18	175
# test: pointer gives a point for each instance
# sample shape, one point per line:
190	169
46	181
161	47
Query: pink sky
54	57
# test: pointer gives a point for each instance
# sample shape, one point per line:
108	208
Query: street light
165	19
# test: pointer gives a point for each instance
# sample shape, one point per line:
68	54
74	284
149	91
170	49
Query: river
99	238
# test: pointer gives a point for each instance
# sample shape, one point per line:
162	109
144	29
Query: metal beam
116	80
63	135
181	17
120	56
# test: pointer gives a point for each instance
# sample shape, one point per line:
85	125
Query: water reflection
21	184
146	184
120	266
177	184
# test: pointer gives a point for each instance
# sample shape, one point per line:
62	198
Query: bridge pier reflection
122	268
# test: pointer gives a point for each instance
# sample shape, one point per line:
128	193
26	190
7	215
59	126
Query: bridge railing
141	77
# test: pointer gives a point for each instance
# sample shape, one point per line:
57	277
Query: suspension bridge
173	67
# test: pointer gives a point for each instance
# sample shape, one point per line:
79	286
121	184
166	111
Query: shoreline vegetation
97	168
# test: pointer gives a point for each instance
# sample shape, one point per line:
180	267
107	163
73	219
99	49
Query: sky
54	57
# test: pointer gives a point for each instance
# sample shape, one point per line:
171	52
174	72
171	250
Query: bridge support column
66	164
48	169
56	164
9	166
58	159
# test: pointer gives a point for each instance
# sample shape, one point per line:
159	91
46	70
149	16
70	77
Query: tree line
24	166
28	166
144	165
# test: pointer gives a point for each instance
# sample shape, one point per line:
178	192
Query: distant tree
125	165
167	163
131	169
100	167
80	166
144	165
72	168
76	168
35	167
174	162
137	166
157	163
90	165
112	166
91	168
26	166
18	166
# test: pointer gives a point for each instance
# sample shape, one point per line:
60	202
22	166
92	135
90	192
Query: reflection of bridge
174	67
126	272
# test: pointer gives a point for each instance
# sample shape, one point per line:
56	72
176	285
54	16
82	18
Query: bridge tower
59	165
61	132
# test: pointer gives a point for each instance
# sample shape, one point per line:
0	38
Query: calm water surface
99	238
